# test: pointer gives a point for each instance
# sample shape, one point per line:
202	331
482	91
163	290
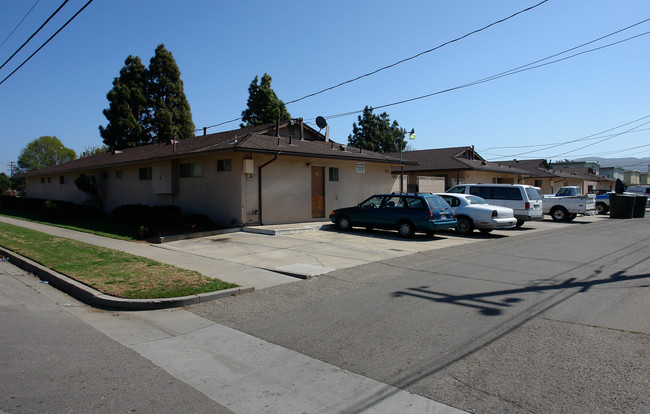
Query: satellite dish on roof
321	122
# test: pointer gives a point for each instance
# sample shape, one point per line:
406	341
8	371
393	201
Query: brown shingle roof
435	159
455	158
260	139
540	168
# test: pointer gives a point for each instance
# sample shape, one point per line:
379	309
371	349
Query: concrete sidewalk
255	258
244	276
259	257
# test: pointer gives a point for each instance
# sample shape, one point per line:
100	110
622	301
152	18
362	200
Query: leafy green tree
264	106
90	150
377	133
44	152
88	184
127	109
5	183
170	116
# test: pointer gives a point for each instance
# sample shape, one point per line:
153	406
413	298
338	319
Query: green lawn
109	271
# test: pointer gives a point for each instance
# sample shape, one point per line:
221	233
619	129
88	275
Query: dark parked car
406	213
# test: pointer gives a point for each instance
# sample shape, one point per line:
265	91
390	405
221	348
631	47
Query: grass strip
109	271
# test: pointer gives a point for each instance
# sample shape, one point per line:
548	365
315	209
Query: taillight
494	213
527	207
430	214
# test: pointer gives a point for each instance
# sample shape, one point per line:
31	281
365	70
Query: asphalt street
553	321
552	317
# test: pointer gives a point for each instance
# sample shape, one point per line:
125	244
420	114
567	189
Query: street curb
97	299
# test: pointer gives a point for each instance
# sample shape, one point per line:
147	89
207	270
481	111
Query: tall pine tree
264	106
170	116
128	107
147	105
376	133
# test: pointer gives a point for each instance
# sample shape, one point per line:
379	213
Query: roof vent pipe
302	129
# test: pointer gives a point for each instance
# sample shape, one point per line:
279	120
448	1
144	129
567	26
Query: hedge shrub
158	221
64	211
20	203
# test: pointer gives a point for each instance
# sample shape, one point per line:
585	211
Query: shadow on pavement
493	307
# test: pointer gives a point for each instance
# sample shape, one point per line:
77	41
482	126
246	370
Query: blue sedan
406	213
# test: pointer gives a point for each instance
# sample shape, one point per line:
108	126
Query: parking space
325	248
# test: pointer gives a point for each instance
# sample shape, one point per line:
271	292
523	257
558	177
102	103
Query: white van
522	198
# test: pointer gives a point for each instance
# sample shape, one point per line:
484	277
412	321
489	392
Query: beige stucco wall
632	177
286	186
229	198
53	190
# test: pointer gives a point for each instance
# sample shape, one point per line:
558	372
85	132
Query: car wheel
570	217
485	231
559	213
344	223
519	223
405	229
464	225
601	208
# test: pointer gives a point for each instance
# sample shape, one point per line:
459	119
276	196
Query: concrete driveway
310	249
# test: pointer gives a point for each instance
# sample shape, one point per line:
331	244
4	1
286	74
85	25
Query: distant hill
629	163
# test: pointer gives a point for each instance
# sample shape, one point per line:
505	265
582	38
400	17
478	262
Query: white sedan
474	212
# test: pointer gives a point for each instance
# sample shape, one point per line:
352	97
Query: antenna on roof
322	123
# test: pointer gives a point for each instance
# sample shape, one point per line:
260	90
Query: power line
550	146
46	42
396	63
417	55
618	151
491	78
34	34
19	23
547	144
494	157
529	66
603	140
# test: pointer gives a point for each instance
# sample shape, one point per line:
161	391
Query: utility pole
11	168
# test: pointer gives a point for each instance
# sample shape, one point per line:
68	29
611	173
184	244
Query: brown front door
317	192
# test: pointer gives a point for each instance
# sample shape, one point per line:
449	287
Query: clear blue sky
308	46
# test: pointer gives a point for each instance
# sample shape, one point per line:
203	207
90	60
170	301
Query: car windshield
459	189
372	202
437	202
532	193
475	200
